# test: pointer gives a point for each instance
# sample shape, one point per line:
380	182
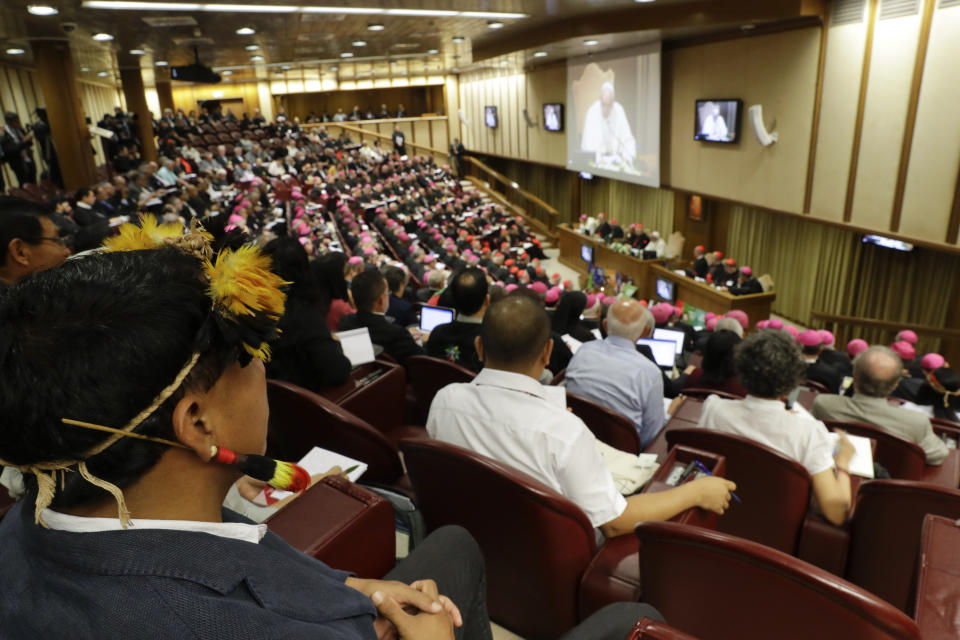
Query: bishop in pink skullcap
661	313
429	258
856	346
763	324
740	316
553	295
810	338
369	251
747	271
355	260
907	336
826	337
539	287
793	331
591	300
709	315
932	362
905	350
511	287
609	300
774	323
712	323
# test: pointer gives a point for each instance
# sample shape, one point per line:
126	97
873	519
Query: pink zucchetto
826	337
739	316
932	361
591	300
793	331
908	336
763	324
810	338
355	260
553	295
511	287
856	346
609	300
661	313
904	349
712	323
774	324
539	287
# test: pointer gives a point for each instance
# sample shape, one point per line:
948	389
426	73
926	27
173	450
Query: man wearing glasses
29	241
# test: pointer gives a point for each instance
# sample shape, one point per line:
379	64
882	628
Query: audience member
566	318
402	312
29	241
769	365
372	297
812	345
717	372
939	395
456	341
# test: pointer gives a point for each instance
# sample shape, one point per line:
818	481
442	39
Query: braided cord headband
939	388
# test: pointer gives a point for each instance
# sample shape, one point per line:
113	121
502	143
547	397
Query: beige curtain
629	203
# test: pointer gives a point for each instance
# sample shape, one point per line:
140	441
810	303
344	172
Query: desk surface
938	586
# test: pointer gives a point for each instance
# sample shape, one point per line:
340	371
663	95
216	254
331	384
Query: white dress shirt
794	433
77	524
514	419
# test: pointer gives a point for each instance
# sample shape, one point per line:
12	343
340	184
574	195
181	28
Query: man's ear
646	332
19	252
478	345
604	323
547	351
190	427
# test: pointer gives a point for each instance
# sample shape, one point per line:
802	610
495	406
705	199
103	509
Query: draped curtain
629	203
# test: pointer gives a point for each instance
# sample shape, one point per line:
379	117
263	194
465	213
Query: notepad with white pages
862	462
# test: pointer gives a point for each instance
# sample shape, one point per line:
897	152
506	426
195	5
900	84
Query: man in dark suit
456	341
372	297
399	141
700	265
16	143
401	310
746	283
811	342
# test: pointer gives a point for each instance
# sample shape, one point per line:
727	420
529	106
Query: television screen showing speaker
553	116
718	120
665	289
490	117
586	253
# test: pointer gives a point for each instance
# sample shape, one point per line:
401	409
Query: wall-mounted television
586	253
490	117
553	116
889	243
718	120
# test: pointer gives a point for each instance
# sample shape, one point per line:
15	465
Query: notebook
356	346
862	462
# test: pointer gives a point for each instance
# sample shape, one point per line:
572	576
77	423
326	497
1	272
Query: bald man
876	373
612	373
507	415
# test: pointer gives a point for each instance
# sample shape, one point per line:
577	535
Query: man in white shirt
769	365
714	127
507	415
606	130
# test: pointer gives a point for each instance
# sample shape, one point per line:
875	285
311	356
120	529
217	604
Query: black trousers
451	557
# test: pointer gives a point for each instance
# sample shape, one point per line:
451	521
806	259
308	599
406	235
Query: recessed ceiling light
346	54
404	73
375	26
137	52
433	52
226	72
539	54
257	58
334	68
748	27
246	31
492	14
15	51
286	67
645	1
42	10
144	5
422	12
494	24
394	62
84	69
102	37
591	43
359	43
252	47
103	74
161	63
458	39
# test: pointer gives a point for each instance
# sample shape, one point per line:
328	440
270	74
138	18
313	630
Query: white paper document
862	462
357	346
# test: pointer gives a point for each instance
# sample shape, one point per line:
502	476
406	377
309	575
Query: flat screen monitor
433	317
553	116
586	253
677	337
664	351
718	120
490	117
666	289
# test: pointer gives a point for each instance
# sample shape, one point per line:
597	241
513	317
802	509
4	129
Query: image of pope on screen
606	131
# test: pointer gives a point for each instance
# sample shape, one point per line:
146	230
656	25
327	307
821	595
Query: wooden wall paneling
421	132
439	131
861	106
923	40
815	128
884	120
953	228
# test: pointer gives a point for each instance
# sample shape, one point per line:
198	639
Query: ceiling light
375	26
102	37
458	39
14	51
591	43
226	73
366	11
394	62
346	54
84	69
252	47
286	67
143	6
433	52
251	8
334	68
103	74
492	15
404	73
137	52
432	13
645	1
212	7
494	24
161	63
359	43
256	58
42	10
246	31
748	27
539	54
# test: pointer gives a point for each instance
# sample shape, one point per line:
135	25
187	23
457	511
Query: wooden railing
886	325
535	210
360	135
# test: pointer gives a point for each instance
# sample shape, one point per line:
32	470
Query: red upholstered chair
537	543
607	425
819	387
885	535
341	524
903	458
429	375
703	394
559	378
774	490
721	587
648	629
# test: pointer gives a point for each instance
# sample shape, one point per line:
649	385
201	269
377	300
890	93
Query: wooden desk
938	586
380	401
603	256
706	297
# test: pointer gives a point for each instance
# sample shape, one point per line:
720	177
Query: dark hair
497	293
769	364
19	218
289	260
96	340
396	278
469	289
568	311
328	273
718	357
811	350
367	287
514	331
82	193
928	396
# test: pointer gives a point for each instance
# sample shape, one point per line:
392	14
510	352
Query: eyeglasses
57	241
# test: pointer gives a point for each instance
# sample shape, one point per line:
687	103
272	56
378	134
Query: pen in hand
702	468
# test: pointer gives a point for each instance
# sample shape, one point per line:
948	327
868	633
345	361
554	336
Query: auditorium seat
342	525
902	458
720	587
819	387
537	543
703	394
607	425
427	376
559	377
774	490
884	552
647	629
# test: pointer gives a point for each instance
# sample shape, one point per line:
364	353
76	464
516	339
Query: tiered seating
607	425
429	375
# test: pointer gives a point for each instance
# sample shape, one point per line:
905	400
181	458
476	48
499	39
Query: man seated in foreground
507	415
769	365
876	373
